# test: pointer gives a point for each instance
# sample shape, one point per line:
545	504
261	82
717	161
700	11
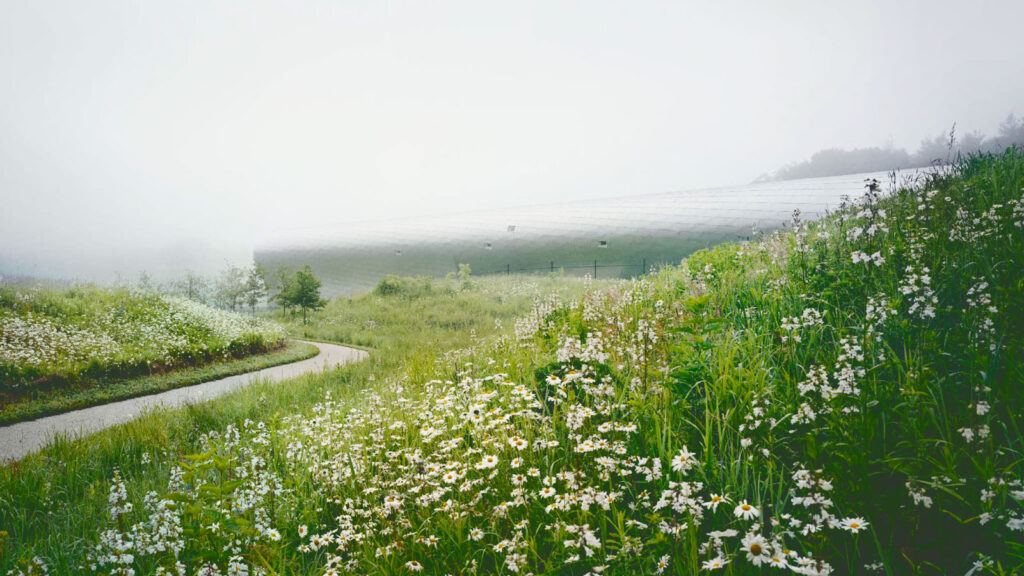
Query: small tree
255	286
145	282
305	291
464	275
283	280
194	286
230	287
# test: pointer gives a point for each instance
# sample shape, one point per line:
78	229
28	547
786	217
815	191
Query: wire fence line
642	268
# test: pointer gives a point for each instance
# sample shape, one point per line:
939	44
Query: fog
161	136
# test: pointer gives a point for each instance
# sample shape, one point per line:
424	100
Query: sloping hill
844	397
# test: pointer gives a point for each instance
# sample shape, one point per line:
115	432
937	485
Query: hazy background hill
941	149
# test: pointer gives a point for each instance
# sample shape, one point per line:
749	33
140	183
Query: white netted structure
615	237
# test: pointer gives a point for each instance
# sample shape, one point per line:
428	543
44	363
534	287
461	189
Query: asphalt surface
18	440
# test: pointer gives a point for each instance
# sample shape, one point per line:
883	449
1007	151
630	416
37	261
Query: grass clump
840	398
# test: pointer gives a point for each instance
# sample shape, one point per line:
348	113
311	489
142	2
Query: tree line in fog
942	149
238	288
249	287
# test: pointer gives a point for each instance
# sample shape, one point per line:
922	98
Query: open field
62	349
843	397
409	322
55	500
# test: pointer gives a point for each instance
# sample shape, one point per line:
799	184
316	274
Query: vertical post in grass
595	269
552	266
508	269
643	271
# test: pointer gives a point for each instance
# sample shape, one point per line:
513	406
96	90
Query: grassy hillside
408	322
65	348
844	397
52	503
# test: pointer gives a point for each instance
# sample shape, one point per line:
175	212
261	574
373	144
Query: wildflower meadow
59	346
840	397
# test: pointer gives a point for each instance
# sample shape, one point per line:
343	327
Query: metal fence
625	269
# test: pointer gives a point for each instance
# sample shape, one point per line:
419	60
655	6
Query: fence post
643	272
552	266
595	269
508	269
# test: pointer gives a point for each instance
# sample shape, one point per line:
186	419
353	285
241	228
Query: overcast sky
172	134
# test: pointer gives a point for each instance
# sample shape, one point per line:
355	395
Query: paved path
23	438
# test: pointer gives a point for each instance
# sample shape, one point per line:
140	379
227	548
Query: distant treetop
941	149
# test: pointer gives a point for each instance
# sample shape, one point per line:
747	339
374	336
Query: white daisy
757	549
854	524
746	511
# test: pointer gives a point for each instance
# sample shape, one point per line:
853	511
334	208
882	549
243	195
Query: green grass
409	322
84	394
51	338
52	502
856	382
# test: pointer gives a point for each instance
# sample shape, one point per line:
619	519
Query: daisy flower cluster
661	425
216	517
43	333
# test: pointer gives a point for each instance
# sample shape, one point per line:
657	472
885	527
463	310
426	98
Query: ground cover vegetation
20	408
52	502
843	397
393	319
68	347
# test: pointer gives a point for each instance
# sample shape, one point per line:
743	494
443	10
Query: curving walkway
23	438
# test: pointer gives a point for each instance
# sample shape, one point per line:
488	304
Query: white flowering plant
779	405
218	513
55	337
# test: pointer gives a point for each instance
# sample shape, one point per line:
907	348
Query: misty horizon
172	137
172	261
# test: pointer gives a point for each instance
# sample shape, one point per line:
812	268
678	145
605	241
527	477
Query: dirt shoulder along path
18	440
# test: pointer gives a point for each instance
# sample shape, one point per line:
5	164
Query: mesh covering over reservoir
616	237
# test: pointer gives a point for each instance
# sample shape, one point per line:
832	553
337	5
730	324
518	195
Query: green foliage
464	274
85	393
60	495
301	290
407	287
841	397
74	337
231	288
255	286
406	318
